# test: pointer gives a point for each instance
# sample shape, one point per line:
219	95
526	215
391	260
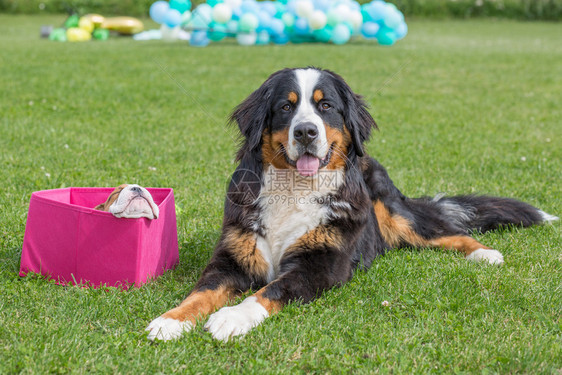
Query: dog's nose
136	189
305	133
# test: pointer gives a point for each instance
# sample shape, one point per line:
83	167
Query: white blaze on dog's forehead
307	80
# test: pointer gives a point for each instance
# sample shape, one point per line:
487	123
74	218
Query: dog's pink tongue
307	165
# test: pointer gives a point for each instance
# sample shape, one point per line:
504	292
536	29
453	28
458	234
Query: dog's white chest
291	205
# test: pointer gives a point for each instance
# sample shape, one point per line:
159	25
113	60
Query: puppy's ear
112	197
253	115
356	117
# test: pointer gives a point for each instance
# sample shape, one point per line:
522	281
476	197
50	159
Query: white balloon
222	13
247	39
317	20
304	8
233	4
356	20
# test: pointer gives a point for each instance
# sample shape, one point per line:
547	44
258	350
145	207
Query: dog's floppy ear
253	114
356	117
112	198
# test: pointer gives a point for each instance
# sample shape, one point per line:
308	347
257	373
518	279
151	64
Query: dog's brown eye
286	108
326	106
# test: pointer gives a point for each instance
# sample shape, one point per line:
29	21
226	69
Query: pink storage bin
67	240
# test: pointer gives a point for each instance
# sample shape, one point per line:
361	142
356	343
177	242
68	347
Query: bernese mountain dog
307	206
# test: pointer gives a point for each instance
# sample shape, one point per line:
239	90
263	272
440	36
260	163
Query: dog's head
130	201
305	119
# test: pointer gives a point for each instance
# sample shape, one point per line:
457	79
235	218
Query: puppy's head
130	201
304	119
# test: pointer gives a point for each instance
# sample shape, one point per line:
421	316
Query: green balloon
58	35
72	21
323	35
100	34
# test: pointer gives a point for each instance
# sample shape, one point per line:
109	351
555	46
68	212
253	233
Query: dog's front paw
486	255
167	328
236	320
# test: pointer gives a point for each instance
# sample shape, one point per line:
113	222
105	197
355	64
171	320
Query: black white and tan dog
130	201
307	206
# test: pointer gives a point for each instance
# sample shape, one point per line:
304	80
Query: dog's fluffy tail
484	213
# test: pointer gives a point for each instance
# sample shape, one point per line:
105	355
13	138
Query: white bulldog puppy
130	201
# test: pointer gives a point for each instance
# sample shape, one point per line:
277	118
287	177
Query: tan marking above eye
293	97
318	95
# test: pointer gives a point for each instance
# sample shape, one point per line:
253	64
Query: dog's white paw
486	255
167	329
236	320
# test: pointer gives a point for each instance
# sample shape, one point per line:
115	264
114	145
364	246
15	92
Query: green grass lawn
463	107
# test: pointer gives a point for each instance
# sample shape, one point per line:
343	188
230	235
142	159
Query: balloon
169	33
263	38
123	25
323	35
180	5
301	26
377	10
185	17
264	20
276	27
341	34
393	18
280	39
75	34
198	22
247	39
317	20
217	32
369	29
304	8
248	22
214	3
86	24
401	30
288	19
199	39
386	36
72	21
333	17
158	11
172	18
232	27
58	35
222	13
100	34
95	18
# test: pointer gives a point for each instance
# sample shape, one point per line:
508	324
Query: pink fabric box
70	242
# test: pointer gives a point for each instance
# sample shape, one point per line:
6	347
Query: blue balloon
172	18
386	36
280	39
250	6
323	5
401	30
158	11
369	29
217	32
263	38
199	39
341	34
180	5
377	10
276	27
264	20
269	7
301	26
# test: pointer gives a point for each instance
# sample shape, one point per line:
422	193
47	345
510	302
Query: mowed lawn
462	107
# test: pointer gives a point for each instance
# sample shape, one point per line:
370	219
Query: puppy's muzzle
305	133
